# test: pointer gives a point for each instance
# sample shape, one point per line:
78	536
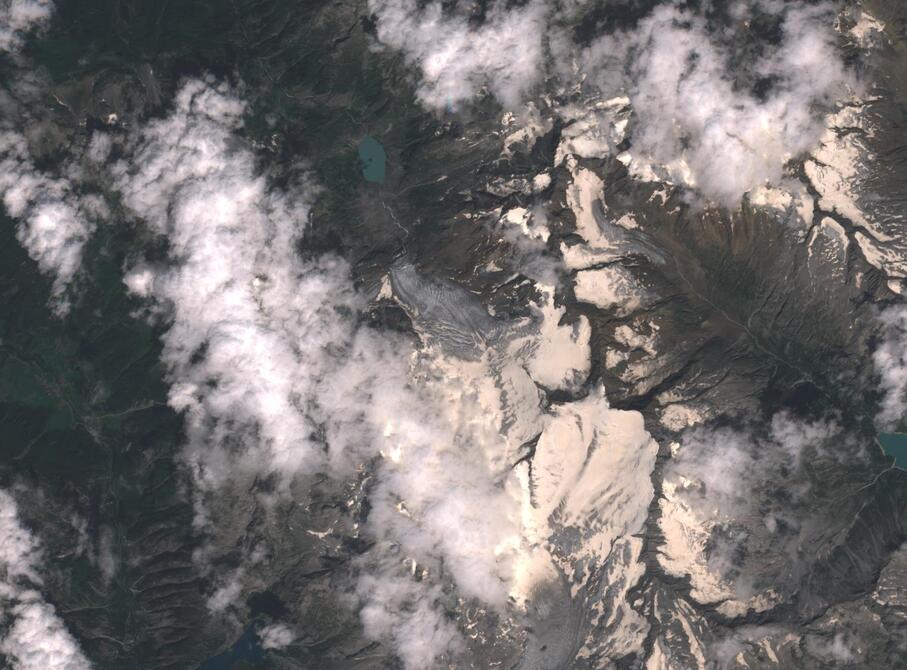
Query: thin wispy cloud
738	502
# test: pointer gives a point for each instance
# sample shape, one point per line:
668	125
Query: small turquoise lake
373	160
895	445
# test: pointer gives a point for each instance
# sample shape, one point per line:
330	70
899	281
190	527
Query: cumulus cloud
837	651
408	614
253	328
890	361
586	490
446	464
35	637
459	54
270	363
54	222
736	507
274	373
720	105
444	511
700	119
20	17
276	636
54	219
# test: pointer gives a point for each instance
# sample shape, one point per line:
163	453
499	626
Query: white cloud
54	223
590	473
406	613
35	637
19	551
227	592
276	636
698	121
839	650
458	57
20	17
268	360
735	508
445	467
694	120
106	558
254	329
890	361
